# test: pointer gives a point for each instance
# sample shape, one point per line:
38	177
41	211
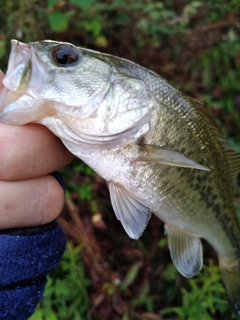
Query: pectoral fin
164	156
186	251
131	212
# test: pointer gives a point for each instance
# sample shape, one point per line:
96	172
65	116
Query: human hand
29	196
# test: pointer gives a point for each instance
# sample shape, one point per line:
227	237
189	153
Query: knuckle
9	160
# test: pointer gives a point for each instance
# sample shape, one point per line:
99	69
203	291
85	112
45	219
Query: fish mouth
20	97
18	74
25	70
19	67
26	74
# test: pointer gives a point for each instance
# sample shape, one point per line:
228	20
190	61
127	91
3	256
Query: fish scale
159	151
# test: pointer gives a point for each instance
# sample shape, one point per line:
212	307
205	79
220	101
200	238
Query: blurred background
195	45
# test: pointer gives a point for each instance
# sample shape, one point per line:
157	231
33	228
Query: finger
30	202
30	151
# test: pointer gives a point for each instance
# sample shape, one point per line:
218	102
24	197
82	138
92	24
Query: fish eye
65	55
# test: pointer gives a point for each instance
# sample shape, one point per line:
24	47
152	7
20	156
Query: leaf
2	48
59	21
101	41
150	315
51	3
93	26
131	275
83	4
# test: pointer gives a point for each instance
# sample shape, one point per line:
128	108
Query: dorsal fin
202	110
233	158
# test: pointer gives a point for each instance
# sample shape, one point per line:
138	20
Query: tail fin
231	279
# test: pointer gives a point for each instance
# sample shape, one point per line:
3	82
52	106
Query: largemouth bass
159	151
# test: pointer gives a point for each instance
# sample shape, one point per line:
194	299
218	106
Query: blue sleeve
26	256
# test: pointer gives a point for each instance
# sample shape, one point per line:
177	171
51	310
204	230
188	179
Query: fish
159	151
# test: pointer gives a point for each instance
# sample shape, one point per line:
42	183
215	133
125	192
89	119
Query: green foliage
59	21
82	185
219	67
83	4
130	276
203	298
66	296
196	45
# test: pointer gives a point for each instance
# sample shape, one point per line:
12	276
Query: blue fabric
26	256
59	178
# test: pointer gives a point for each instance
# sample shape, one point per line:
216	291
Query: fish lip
17	74
26	72
24	46
25	77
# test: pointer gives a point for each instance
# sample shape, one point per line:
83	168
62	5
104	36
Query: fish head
49	78
79	94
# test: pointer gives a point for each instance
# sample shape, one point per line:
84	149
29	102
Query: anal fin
186	251
130	211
